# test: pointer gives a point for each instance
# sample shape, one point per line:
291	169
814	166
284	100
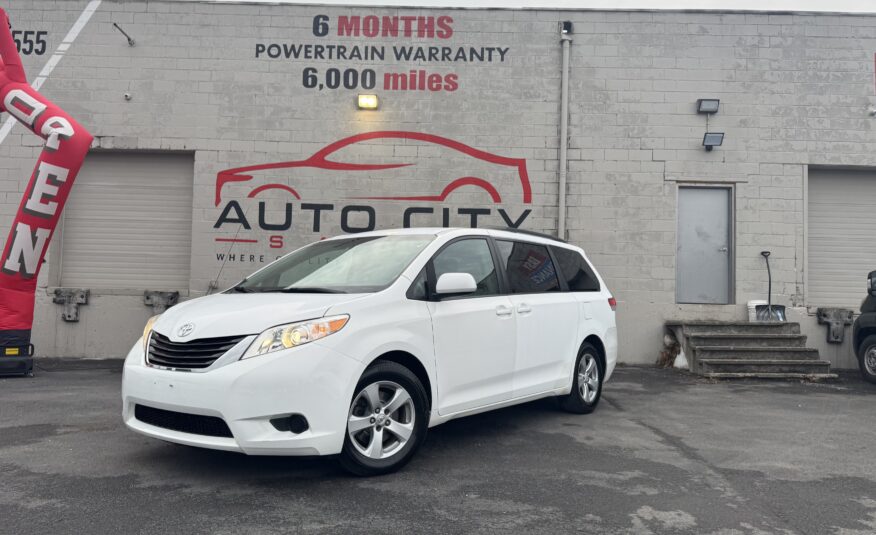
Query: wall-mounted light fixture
708	105
367	102
713	139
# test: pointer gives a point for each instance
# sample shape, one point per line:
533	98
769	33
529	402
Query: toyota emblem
186	330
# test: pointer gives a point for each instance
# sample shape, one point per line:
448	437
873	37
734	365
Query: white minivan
356	345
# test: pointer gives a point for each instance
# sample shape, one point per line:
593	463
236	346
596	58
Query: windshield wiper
242	289
310	290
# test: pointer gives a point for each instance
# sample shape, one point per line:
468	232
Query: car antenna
214	284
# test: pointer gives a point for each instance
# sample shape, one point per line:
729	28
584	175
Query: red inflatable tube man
67	144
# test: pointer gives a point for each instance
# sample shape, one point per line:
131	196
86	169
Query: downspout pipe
566	40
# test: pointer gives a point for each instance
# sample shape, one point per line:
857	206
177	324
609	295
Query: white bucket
752	309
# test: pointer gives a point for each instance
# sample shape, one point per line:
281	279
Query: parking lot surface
665	453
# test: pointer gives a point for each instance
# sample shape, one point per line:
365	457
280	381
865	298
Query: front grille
188	355
195	424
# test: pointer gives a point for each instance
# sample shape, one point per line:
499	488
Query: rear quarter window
577	272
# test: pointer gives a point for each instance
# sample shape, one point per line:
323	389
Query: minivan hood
243	314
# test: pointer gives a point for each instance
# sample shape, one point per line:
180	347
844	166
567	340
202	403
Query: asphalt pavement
665	452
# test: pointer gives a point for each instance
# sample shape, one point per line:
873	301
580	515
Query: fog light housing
294	423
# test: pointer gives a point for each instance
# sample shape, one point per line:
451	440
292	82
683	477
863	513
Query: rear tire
387	420
867	359
586	384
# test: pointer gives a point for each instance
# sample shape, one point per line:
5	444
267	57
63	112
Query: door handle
502	310
523	308
722	250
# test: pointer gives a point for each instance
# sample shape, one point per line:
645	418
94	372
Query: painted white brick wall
794	90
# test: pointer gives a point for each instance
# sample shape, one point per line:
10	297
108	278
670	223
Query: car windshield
350	265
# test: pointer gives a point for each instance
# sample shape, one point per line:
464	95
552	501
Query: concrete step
763	366
748	349
760	375
747	340
755	353
736	327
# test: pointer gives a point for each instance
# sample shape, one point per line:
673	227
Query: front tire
867	359
387	420
587	383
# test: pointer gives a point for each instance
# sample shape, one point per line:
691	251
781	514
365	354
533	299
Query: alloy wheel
588	378
870	360
381	420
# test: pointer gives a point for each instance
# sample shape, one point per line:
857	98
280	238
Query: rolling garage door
128	223
841	235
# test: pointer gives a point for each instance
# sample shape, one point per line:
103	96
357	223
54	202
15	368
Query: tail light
612	302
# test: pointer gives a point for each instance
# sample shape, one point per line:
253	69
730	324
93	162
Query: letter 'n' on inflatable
66	145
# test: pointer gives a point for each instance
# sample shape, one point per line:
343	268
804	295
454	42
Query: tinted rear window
529	267
578	274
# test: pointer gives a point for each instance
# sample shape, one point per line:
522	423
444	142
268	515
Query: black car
864	332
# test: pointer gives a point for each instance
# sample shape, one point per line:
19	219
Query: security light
367	102
713	139
708	105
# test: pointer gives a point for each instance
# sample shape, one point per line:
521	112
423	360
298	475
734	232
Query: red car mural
328	158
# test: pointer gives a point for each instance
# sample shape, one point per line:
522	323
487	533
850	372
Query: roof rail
527	232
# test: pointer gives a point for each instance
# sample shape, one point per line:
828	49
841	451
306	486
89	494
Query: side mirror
871	283
455	284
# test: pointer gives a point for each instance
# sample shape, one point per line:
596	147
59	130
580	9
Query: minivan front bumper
311	380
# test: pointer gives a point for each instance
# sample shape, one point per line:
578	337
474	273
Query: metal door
704	253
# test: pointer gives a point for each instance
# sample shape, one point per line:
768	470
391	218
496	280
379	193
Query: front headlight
294	335
147	330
